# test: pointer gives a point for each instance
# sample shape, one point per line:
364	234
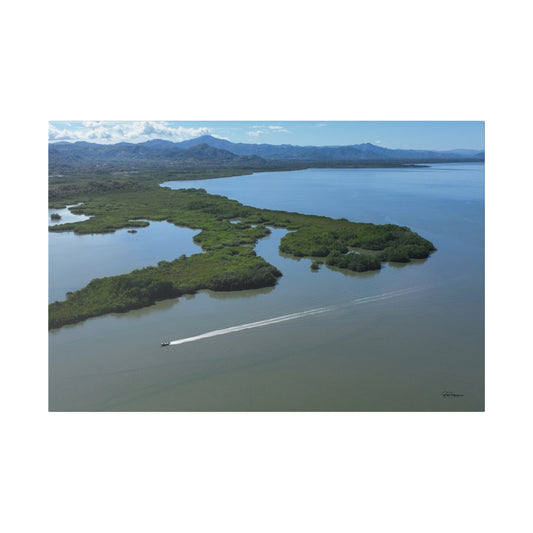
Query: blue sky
429	135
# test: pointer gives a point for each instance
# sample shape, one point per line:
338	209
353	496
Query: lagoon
74	260
375	348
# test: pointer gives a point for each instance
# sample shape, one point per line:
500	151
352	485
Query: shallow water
74	260
369	350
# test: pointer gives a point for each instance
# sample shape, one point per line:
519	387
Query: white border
266	472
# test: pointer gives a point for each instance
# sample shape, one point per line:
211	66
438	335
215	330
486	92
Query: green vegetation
55	216
228	232
334	238
355	261
66	187
223	270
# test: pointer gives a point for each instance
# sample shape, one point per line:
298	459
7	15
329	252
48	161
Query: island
228	233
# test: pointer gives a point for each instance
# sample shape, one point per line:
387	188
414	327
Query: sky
420	135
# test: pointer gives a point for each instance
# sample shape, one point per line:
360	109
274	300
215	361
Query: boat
165	343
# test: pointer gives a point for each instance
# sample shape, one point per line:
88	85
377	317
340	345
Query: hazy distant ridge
355	152
212	151
153	154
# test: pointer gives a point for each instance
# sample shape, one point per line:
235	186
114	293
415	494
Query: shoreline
227	261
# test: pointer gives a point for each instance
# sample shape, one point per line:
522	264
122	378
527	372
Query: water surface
74	260
390	353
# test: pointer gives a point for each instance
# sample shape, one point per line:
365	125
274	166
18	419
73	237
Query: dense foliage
334	239
357	262
228	230
223	270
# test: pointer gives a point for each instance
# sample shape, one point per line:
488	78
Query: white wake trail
292	316
251	325
378	297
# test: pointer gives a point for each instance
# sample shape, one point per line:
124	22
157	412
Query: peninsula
229	230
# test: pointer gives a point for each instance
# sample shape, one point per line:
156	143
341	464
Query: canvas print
266	266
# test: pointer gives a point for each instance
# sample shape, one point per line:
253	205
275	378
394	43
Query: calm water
371	348
74	260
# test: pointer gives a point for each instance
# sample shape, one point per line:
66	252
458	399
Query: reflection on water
397	353
351	273
66	216
394	264
74	260
232	295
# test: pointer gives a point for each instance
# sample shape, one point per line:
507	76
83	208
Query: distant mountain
212	151
151	154
210	154
355	152
465	153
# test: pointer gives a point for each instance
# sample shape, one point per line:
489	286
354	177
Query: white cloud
262	130
132	131
139	131
55	134
99	133
91	123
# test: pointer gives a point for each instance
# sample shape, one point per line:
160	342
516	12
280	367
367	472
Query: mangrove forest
228	233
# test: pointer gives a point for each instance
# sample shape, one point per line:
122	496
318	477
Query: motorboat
165	343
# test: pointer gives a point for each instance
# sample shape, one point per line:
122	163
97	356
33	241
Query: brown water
387	341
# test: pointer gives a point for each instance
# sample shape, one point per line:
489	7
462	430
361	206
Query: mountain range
354	152
208	151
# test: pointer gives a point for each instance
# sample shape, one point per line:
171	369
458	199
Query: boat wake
292	316
251	325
